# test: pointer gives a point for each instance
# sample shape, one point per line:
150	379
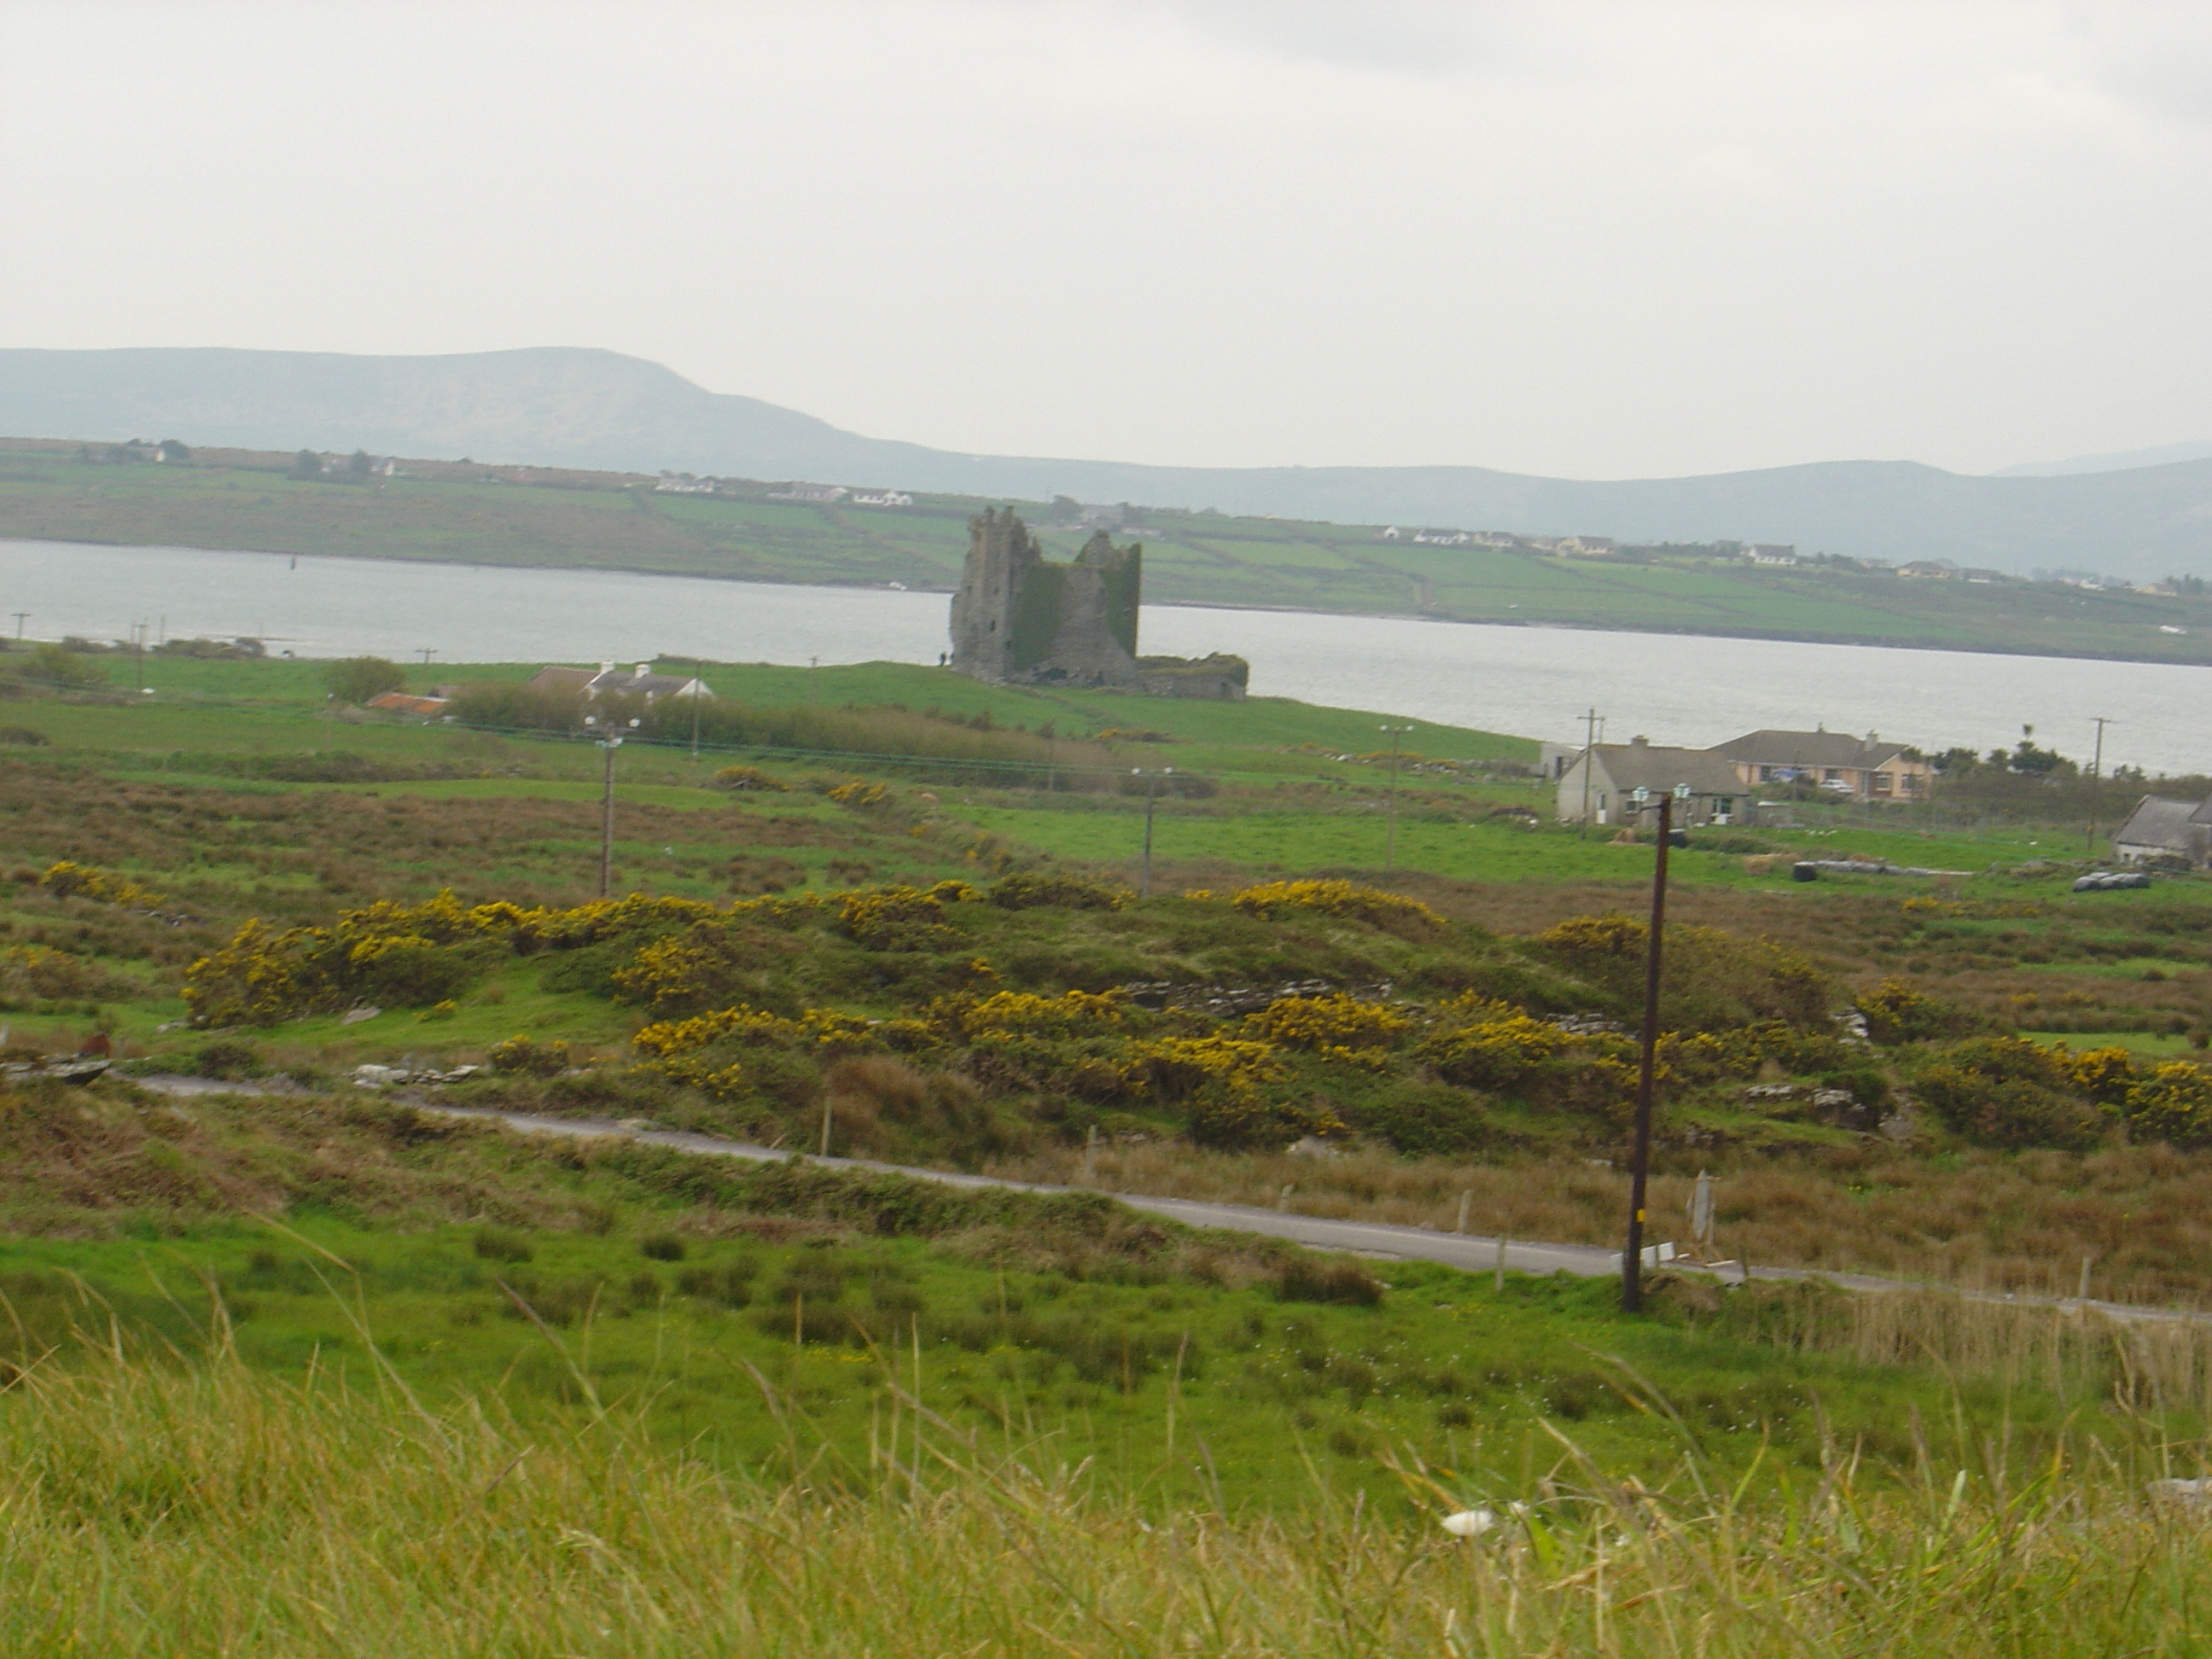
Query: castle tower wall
986	612
1021	619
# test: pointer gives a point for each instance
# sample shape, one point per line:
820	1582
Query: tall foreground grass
202	1509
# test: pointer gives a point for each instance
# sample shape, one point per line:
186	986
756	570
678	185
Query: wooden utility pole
1632	1259
1590	742
1151	794
1390	833
608	744
2096	773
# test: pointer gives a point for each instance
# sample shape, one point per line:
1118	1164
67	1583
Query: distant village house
608	681
2164	831
1863	768
1620	783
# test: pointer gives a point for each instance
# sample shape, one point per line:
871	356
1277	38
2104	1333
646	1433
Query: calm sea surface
1536	682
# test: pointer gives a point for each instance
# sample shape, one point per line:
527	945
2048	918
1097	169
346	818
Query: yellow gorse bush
411	953
41	972
1333	1022
679	1048
2173	1102
405	952
1181	1065
2105	1075
749	777
1335	898
1070	1013
665	971
1502	1051
2164	1100
1596	936
66	879
901	917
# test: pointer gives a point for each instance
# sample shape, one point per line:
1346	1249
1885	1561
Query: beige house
1620	783
1857	769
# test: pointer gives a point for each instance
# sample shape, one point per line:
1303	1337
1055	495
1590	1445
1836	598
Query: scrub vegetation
525	1359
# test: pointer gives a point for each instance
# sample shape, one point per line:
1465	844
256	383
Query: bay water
1533	681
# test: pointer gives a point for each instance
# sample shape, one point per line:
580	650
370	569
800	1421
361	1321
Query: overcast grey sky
1589	240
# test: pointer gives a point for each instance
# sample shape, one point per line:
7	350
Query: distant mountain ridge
578	407
2115	461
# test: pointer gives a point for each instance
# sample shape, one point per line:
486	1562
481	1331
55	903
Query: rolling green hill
580	408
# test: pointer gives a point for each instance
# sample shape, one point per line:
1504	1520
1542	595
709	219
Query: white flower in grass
1469	1524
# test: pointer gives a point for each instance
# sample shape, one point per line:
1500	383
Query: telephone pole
1632	1259
2096	776
1390	833
608	744
609	740
1590	742
1151	794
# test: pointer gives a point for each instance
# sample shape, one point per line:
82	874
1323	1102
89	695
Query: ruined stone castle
1020	619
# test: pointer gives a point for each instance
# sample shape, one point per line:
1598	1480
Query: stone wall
1218	679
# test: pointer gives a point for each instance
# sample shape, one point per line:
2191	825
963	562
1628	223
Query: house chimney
606	668
1640	741
643	669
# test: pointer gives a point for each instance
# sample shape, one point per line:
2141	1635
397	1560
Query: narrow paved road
1463	1250
1467	1252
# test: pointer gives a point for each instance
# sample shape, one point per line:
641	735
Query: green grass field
311	1369
538	516
1110	1369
